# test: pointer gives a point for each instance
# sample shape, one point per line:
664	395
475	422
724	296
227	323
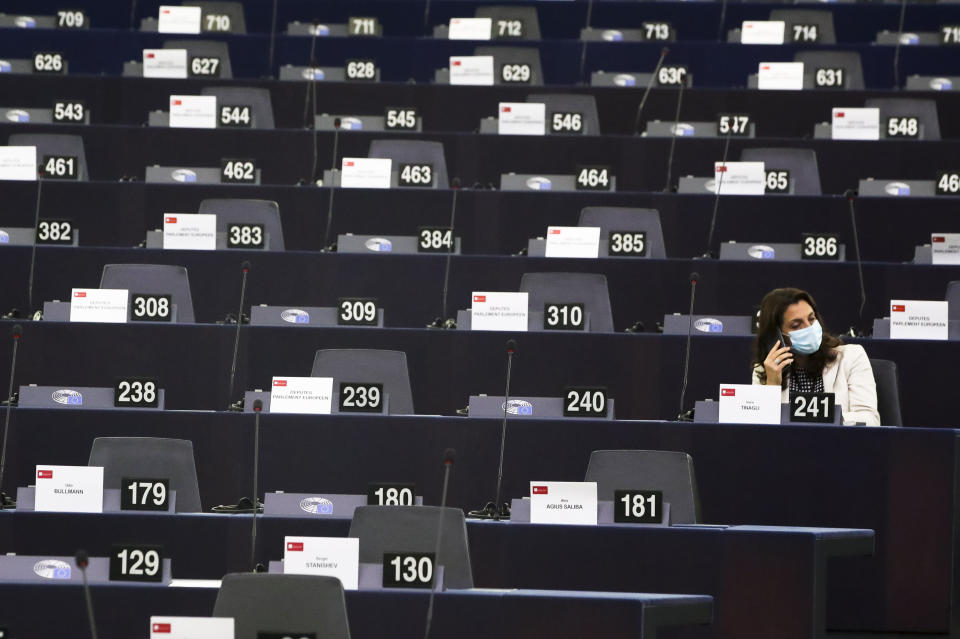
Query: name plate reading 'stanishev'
749	404
71	489
563	502
408	569
391	494
307	395
919	319
499	311
327	556
191	627
573	241
637	506
945	248
107	305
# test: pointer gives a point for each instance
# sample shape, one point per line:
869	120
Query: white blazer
850	378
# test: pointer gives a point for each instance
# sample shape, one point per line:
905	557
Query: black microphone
244	270
83	560
442	321
896	49
33	251
673	138
333	172
495	510
257	408
5	500
643	101
273	40
449	456
686	358
583	45
849	194
716	201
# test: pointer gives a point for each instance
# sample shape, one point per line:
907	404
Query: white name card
739	178
563	502
946	248
108	305
305	395
178	19
856	124
328	556
365	173
193	111
190	231
749	404
164	63
69	489
522	118
918	319
499	311
470	28
762	32
573	241
191	628
782	76
18	163
471	69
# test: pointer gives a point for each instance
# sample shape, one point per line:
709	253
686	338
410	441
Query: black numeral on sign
637	506
145	307
361	70
777	181
359	397
812	407
830	77
948	183
563	317
217	22
656	31
238	171
204	67
431	239
585	402
136	562
138	493
71	19
136	392
566	122
69	111
510	28
60	167
48	62
396	118
515	73
415	175
245	236
55	232
357	311
593	178
236	115
805	33
733	124
363	25
627	243
903	127
820	246
669	76
381	494
408	569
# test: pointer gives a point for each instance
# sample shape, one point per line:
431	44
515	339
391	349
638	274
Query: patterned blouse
803	382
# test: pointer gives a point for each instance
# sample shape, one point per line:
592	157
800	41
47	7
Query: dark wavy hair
770	318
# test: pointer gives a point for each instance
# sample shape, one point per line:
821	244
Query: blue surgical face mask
806	341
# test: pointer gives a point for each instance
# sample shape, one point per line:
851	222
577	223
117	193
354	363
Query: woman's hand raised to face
777	359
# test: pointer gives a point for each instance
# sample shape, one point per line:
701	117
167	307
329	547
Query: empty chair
261	109
372	366
235	21
953	297
888	391
383	529
241	211
586	105
413	152
822	19
529	27
153	458
205	49
669	471
295	604
802	164
54	144
617	218
590	289
514	56
154	279
924	110
849	61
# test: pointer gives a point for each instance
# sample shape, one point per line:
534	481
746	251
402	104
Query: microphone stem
6	420
273	39
716	198
646	92
436	555
673	138
446	269
856	248
86	594
686	357
503	437
33	250
256	472
236	340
